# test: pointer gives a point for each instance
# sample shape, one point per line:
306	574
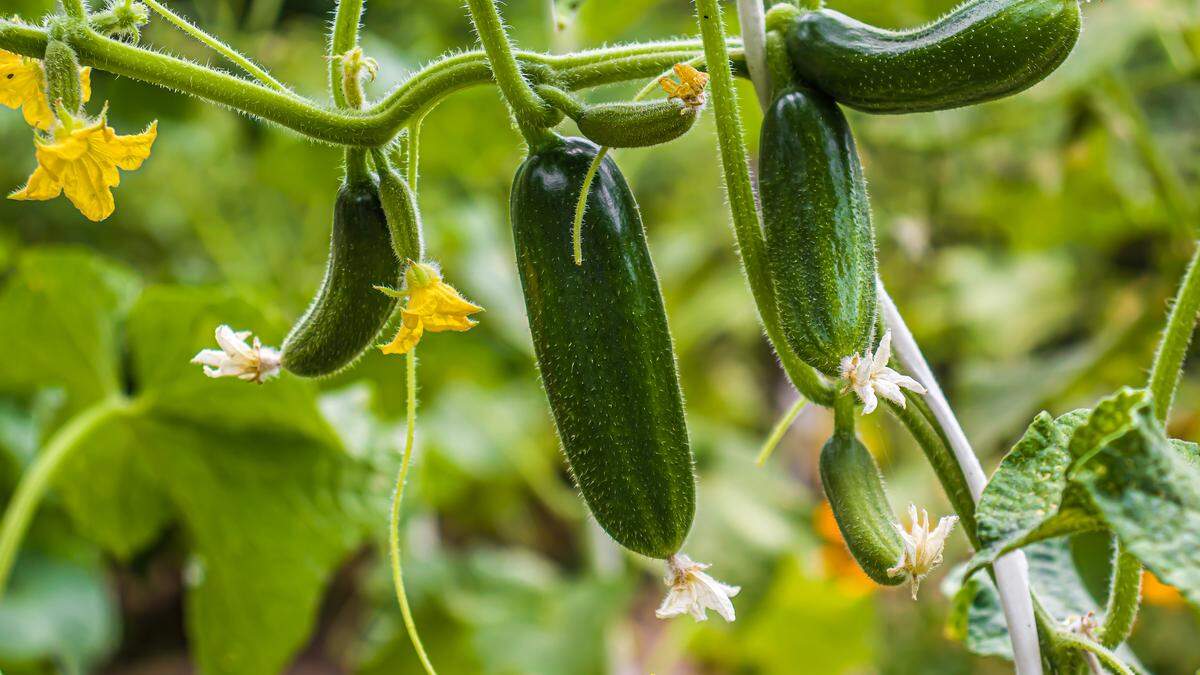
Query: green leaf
266	521
1112	417
109	491
1148	490
57	611
61	311
1027	498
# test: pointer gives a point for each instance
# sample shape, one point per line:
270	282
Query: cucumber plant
595	310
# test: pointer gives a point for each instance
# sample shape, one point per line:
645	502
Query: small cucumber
603	348
855	490
820	243
403	217
62	77
347	313
979	51
624	124
636	125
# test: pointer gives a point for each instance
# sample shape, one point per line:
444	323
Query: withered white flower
694	592
922	547
250	362
869	375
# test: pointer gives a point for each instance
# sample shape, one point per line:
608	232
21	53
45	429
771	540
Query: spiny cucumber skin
855	490
820	242
604	349
635	125
980	51
347	313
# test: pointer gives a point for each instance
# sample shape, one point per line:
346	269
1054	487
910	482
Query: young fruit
347	313
820	243
854	488
625	124
403	218
603	348
981	50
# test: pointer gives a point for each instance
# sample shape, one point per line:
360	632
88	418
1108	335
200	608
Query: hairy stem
394	528
76	9
1011	570
779	430
528	109
1177	335
581	206
1124	596
374	127
38	477
216	45
343	37
1090	647
746	226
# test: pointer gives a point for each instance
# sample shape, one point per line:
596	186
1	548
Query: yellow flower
23	85
82	159
689	88
433	305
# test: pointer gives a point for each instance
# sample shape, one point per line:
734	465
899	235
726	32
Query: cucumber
859	501
603	348
347	313
820	243
979	51
624	124
62	77
636	125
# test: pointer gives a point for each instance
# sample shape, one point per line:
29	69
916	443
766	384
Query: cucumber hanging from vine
348	313
603	348
979	51
820	242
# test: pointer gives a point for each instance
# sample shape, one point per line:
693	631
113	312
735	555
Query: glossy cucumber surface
855	490
603	348
347	313
820	243
979	51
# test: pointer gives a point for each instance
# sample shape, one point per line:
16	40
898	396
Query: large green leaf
1028	498
61	311
1148	490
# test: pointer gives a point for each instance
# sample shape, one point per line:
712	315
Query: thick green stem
1173	347
343	38
40	475
378	125
216	45
746	226
1124	596
1089	647
528	109
397	497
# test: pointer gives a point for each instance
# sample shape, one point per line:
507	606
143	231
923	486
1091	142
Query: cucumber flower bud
249	362
694	592
922	547
868	374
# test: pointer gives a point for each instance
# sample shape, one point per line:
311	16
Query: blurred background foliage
1032	243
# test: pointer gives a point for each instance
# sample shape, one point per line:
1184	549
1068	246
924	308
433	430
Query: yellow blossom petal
23	85
83	163
411	329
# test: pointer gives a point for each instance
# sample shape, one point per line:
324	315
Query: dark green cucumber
854	488
979	51
347	313
820	243
603	348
